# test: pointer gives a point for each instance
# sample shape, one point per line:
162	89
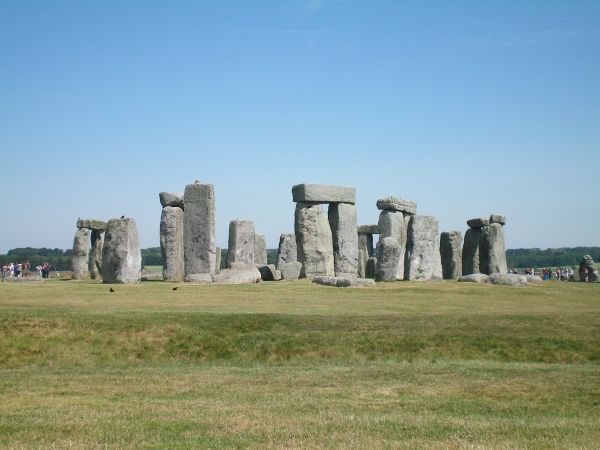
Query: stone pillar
96	254
199	230
450	251
470	251
388	258
287	250
171	243
365	246
241	242
342	220
121	255
492	252
260	250
218	260
422	249
79	259
371	267
313	240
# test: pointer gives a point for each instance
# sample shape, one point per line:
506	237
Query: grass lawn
296	365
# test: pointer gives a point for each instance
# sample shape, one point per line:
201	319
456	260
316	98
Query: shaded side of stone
470	251
342	220
451	254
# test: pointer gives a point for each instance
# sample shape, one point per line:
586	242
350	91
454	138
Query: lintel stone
397	204
368	229
321	193
91	224
478	222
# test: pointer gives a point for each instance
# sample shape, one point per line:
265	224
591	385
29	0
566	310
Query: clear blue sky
466	107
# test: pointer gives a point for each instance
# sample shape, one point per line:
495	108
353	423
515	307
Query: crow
123	216
111	290
174	289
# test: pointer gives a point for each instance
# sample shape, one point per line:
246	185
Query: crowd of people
24	270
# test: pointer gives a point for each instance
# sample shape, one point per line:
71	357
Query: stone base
343	282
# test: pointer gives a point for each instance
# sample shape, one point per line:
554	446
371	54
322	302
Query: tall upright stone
388	258
287	250
342	220
121	255
199	229
241	242
365	251
260	249
218	260
96	254
422	249
171	243
451	254
79	258
470	252
492	253
392	224
313	240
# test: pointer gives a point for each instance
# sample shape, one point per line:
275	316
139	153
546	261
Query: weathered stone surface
343	281
342	220
314	240
278	275
199	229
79	259
534	279
422	249
365	243
151	276
174	199
121	256
470	252
287	250
291	270
237	276
198	278
437	262
508	279
498	218
171	244
451	254
388	259
371	267
91	224
397	204
362	263
96	254
218	260
267	272
260	249
394	224
478	222
587	269
492	253
241	242
320	193
474	278
368	229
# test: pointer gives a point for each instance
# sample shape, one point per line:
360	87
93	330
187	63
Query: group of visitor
24	270
560	273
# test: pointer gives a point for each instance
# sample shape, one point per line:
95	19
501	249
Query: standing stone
371	267
96	254
492	254
199	229
79	259
342	220
291	270
260	250
287	250
365	243
218	260
437	262
394	224
241	242
421	248
388	258
121	256
171	243
450	251
470	252
363	257
314	240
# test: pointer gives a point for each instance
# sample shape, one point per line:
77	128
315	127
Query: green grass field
295	365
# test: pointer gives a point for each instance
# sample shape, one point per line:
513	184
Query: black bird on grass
174	289
111	290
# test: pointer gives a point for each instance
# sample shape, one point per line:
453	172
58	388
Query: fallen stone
199	229
492	253
478	222
267	272
422	249
174	199
388	259
470	252
534	279
278	276
198	278
342	220
260	249
91	224
320	193
497	218
287	251
343	281
171	244
314	240
508	279
241	242
79	258
474	278
368	229
291	270
451	254
247	275
151	276
121	256
397	204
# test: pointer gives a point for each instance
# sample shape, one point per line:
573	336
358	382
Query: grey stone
79	258
343	281
371	267
492	253
96	254
470	252
478	222
422	249
291	270
171	244
198	278
218	260
534	279
508	279
320	193
362	263
287	250
174	199
241	242
437	262
267	272
91	224
473	278
314	240
121	256
394	224
151	276
278	275
397	204
498	218
342	220
199	229
587	269
246	275
260	249
365	243
388	259
451	254
368	229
